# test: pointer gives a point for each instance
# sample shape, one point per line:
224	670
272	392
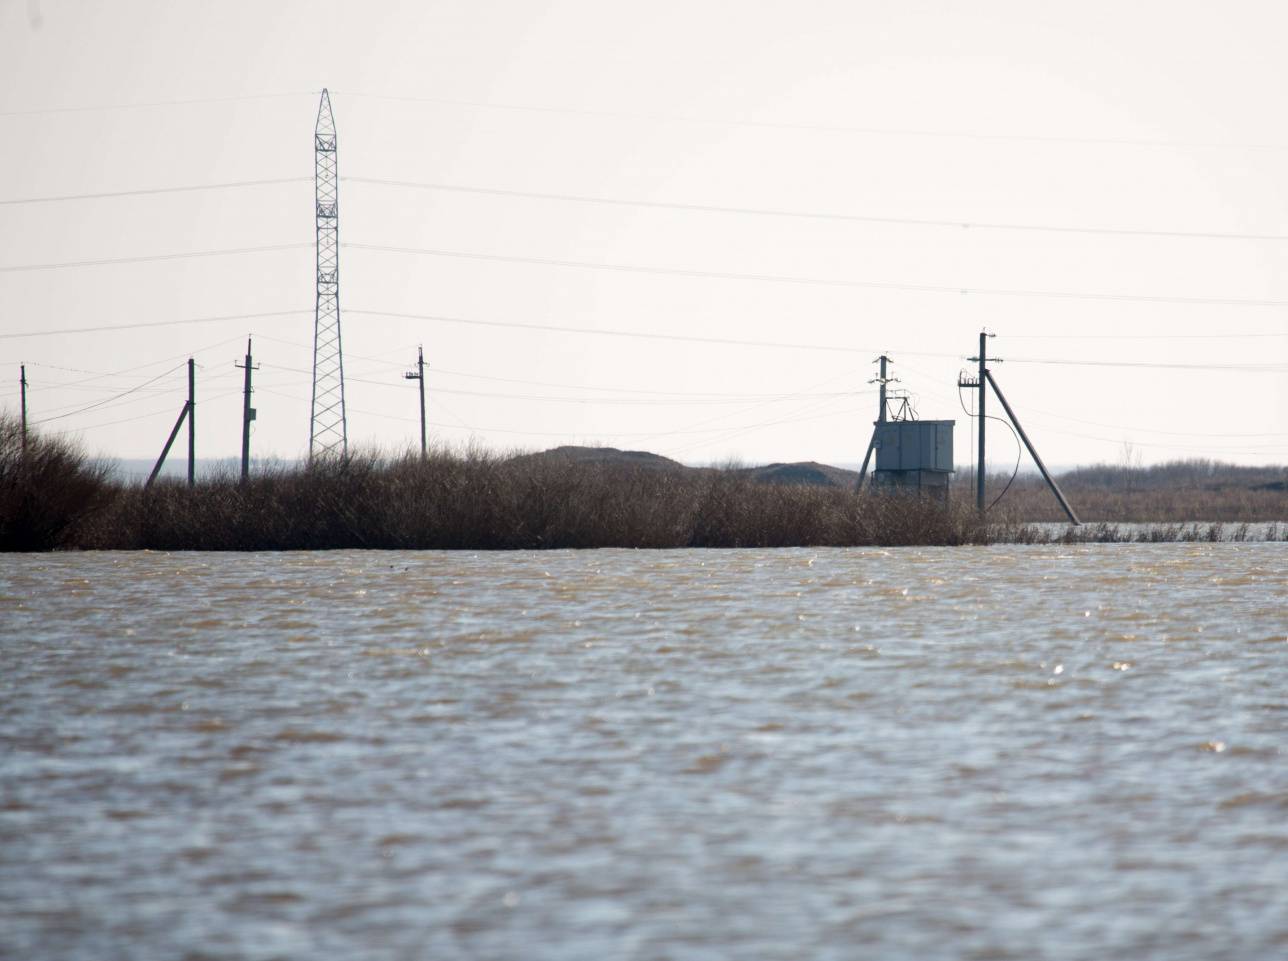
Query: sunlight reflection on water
1030	752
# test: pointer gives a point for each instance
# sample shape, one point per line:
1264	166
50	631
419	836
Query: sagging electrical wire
104	403
1019	451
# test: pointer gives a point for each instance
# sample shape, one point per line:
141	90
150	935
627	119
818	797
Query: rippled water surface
1001	752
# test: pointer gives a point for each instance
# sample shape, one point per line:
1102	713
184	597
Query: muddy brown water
1002	752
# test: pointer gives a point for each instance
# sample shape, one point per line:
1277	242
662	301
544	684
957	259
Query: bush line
53	497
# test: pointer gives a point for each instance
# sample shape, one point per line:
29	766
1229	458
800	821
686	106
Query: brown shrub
47	491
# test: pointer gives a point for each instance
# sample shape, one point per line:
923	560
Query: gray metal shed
914	454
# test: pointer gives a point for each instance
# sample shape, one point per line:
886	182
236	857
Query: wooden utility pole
419	375
248	414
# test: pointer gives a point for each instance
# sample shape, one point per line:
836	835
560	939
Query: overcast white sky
1158	125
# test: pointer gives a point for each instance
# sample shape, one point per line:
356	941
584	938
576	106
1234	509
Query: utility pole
419	374
983	376
248	413
192	421
188	412
981	383
23	381
882	380
985	379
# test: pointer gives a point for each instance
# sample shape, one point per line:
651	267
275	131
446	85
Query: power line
746	410
1245	368
816	215
1205	448
439	371
116	400
443	371
825	281
185	255
143	192
552	433
100	375
36	111
951	223
674	400
826	128
381	359
168	409
781	345
732	433
159	323
105	402
1150	337
1043	415
640	334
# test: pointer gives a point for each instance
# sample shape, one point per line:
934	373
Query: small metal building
914	455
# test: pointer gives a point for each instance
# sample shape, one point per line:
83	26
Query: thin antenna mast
328	429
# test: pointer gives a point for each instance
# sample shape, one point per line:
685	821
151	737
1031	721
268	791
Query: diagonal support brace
1055	488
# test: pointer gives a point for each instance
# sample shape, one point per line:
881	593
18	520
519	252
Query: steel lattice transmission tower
328	430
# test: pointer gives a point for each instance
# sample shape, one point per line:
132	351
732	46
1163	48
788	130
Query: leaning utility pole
419	374
248	413
188	413
23	381
328	428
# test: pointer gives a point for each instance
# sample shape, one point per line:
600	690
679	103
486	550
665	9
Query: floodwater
1003	752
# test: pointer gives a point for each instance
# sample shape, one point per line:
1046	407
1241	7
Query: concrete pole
983	377
23	381
881	414
192	421
247	416
420	376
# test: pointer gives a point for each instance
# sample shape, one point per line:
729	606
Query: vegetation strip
53	497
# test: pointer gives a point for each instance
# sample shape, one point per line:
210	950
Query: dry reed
53	497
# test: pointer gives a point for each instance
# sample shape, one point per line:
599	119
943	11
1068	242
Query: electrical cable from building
1019	451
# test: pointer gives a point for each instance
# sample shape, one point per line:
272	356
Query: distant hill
801	473
603	455
804	472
